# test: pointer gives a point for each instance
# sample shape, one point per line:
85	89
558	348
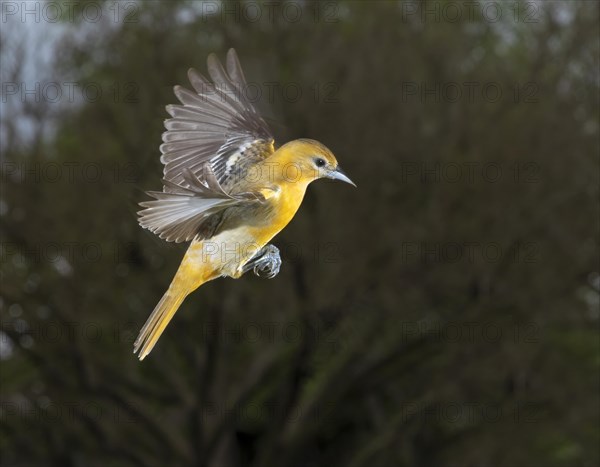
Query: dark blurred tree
444	313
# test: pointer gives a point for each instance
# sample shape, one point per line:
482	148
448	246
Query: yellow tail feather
191	274
158	320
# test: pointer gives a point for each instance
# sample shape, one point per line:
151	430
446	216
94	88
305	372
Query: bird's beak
338	174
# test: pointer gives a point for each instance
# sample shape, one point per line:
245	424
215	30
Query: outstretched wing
210	143
178	214
216	124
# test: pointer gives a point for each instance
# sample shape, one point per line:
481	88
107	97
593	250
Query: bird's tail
191	274
158	320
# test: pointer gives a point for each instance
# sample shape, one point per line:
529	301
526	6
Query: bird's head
308	160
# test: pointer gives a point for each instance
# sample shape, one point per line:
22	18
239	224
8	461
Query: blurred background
444	313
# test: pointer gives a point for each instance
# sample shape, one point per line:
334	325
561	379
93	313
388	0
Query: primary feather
211	142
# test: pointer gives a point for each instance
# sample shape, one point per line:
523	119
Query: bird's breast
277	212
245	233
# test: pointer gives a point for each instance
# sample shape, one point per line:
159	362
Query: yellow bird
226	187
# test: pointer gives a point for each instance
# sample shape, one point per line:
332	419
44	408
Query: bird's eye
320	162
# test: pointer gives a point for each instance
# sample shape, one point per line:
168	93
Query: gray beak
338	174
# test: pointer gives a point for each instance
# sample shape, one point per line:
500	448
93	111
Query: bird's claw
266	263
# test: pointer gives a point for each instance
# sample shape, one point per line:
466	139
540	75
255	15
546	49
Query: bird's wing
216	124
210	143
178	214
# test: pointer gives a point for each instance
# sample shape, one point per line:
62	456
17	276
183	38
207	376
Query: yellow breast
282	208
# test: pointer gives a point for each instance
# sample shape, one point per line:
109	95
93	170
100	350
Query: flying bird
226	188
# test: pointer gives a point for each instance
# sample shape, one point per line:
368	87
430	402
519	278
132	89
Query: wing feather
210	140
178	214
215	124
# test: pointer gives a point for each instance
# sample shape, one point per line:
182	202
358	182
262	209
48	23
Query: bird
226	188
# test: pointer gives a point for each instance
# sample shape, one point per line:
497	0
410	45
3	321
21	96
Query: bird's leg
266	262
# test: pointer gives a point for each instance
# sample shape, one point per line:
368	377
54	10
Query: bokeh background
444	313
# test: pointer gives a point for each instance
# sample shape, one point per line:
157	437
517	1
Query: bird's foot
266	263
